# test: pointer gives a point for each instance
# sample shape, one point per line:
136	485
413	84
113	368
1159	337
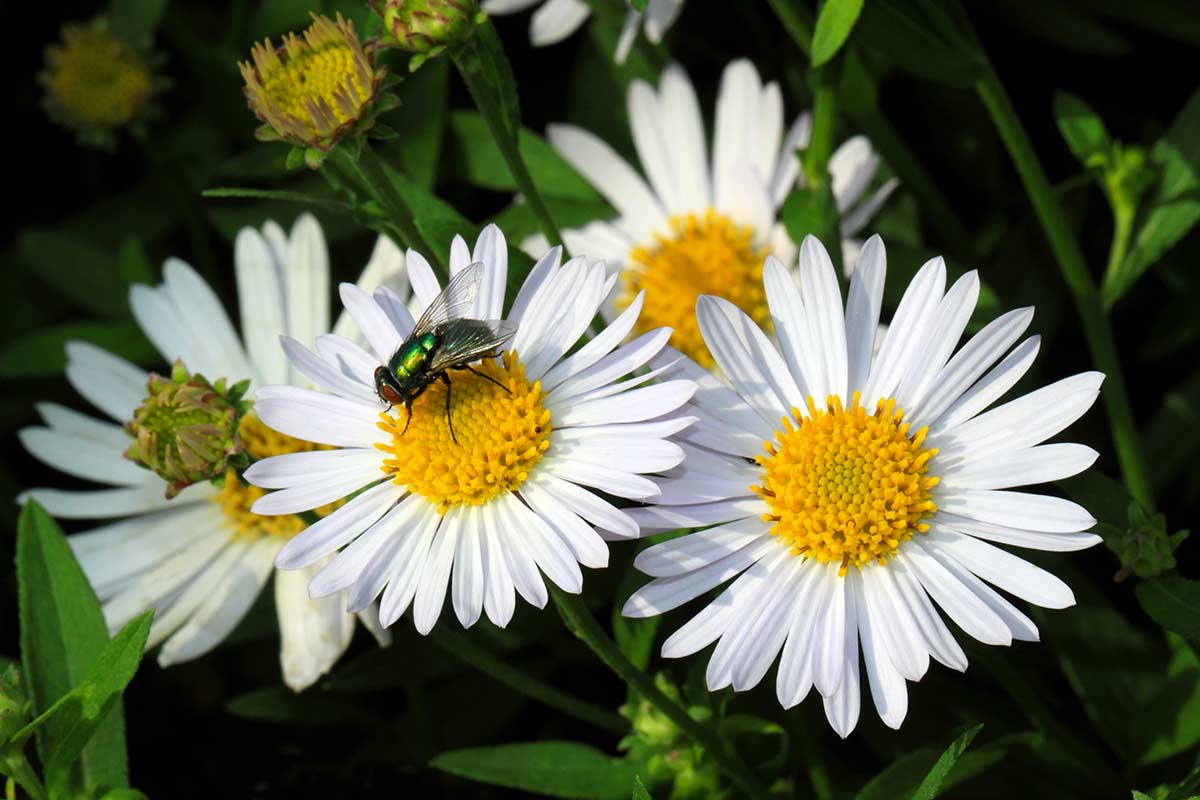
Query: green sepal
295	158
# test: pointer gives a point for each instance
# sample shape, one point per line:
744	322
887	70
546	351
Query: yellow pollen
236	497
501	436
846	486
95	78
701	255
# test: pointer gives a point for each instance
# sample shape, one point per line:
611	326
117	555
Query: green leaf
276	704
639	790
811	210
1172	435
62	636
1083	131
420	122
834	24
932	784
132	262
634	637
917	35
477	160
41	354
558	769
135	20
277	194
903	776
1173	602
1172	708
77	267
1175	204
107	678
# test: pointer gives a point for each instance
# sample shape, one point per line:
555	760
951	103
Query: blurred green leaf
1173	710
557	769
40	353
133	264
1172	435
639	790
639	5
918	36
420	120
81	270
476	159
1174	206
107	678
135	20
274	17
634	637
62	636
1083	131
902	777
834	24
932	784
312	708
1173	602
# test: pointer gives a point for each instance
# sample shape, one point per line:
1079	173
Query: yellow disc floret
94	79
501	431
314	87
846	486
701	255
236	497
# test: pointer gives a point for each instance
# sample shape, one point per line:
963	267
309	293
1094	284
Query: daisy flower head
698	224
555	20
202	558
496	475
849	495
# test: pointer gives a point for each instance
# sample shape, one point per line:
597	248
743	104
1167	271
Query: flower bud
427	27
185	430
14	705
315	89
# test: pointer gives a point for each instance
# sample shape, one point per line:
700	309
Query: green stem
16	765
581	622
467	651
485	69
816	161
1096	327
369	171
1122	233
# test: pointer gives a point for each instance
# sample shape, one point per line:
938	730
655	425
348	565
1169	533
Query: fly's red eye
389	394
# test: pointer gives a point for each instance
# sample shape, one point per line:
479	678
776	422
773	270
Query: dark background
370	731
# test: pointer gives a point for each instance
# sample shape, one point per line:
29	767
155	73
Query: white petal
1004	469
830	637
375	325
908	333
325	536
556	20
82	457
406	567
795	675
826	323
316	417
322	373
633	406
306	276
313	634
1019	626
681	120
960	603
1036	540
1034	512
887	685
552	555
586	545
596	510
431	591
466	590
695	550
499	593
108	382
260	295
990	388
937	637
953	314
841	708
862	311
1001	568
897	632
664	594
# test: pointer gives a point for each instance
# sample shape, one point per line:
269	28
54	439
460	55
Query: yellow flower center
236	497
709	255
846	486
501	431
96	78
326	75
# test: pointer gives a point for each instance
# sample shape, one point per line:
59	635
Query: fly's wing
453	302
467	340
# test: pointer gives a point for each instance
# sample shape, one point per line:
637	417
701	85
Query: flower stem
485	69
1122	232
463	648
1088	302
368	170
816	161
17	766
581	622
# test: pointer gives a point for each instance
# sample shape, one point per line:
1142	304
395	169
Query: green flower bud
427	27
14	705
185	431
1144	548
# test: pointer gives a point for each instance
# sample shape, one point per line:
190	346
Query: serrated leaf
1173	602
932	784
639	790
62	636
1083	131
1174	206
557	769
41	354
107	678
834	24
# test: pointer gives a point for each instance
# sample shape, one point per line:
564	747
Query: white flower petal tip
873	613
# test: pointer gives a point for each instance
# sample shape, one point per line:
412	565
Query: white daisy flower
555	20
846	493
701	225
201	559
514	487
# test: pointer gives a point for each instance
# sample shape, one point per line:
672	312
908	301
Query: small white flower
514	489
882	483
201	559
555	20
700	225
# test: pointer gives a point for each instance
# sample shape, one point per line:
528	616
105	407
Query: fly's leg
474	371
449	419
407	415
